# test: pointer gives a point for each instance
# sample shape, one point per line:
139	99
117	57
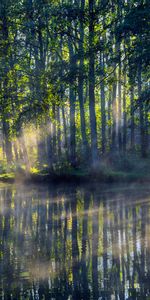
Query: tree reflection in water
74	243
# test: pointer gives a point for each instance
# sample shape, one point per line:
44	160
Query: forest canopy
74	81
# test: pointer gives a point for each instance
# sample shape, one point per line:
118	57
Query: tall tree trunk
63	105
72	97
59	133
65	132
93	128
6	103
132	117
49	147
103	112
147	126
118	48
114	109
8	144
124	116
142	127
15	147
109	117
119	104
24	152
54	134
81	86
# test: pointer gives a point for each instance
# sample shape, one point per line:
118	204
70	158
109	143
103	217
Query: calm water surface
72	242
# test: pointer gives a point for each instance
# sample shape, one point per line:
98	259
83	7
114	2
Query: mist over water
68	242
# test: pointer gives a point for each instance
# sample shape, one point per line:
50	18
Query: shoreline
91	177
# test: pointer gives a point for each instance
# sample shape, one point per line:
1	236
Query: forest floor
129	169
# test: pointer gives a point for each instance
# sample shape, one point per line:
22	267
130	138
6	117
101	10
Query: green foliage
45	78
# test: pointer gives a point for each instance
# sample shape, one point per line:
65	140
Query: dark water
75	243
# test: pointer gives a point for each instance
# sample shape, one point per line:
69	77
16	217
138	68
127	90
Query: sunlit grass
34	170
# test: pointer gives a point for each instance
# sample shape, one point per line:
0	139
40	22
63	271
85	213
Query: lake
75	242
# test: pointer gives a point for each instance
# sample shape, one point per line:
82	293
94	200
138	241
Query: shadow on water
75	243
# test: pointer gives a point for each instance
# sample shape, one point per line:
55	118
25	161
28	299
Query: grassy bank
119	169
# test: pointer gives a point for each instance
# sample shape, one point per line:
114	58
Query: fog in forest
74	149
